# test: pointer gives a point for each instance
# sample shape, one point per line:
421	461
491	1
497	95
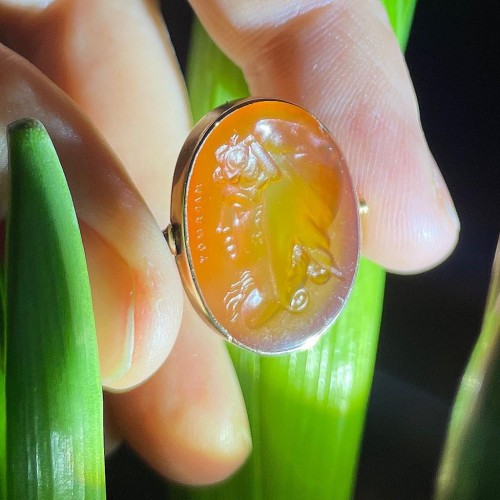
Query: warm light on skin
340	60
194	424
130	268
87	47
272	226
344	66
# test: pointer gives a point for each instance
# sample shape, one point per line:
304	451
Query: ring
264	225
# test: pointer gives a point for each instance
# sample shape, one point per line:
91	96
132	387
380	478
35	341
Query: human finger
341	61
188	420
138	26
135	286
115	60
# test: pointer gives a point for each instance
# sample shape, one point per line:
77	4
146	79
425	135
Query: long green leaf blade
469	466
307	409
54	399
400	14
212	79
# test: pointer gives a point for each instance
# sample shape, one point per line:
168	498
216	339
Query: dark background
430	321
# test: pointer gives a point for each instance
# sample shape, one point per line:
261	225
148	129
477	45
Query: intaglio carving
274	220
267	224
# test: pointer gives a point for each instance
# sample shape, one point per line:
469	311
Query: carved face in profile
271	226
275	218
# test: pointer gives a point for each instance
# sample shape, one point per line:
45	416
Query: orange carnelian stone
272	226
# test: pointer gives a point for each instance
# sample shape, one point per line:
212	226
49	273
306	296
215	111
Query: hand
338	59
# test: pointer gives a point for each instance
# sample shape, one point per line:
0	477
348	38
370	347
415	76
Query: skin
114	60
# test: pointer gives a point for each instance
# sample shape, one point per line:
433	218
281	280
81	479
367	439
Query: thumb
341	61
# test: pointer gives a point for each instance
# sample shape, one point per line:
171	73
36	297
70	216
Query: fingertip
341	61
218	449
136	294
411	226
135	285
429	242
189	420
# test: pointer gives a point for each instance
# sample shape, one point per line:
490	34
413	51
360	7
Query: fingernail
114	305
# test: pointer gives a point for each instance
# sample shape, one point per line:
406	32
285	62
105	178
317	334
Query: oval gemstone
270	224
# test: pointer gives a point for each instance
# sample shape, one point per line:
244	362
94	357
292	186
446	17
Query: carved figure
278	206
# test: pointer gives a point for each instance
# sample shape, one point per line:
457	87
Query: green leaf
400	14
469	466
307	409
53	391
212	79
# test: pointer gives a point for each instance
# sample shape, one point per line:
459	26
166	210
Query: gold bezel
177	235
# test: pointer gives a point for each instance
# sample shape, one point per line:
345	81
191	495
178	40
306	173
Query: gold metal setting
185	245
